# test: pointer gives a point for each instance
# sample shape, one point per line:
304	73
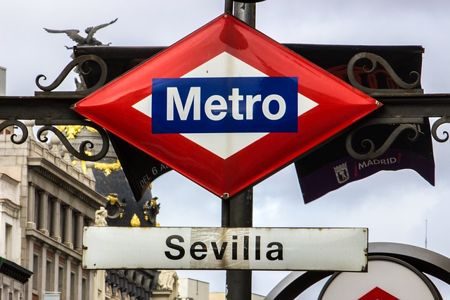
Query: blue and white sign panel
225	105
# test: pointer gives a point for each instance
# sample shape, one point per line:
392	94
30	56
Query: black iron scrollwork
85	146
15	138
115	207
83	65
434	129
151	210
404	87
368	148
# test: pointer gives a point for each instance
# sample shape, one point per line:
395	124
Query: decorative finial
135	222
89	40
100	217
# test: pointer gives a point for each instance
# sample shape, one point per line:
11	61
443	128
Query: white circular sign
386	278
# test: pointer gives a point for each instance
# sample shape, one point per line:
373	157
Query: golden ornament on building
71	131
112	198
108	168
135	222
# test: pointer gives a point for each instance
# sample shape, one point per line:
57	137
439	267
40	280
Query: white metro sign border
225	65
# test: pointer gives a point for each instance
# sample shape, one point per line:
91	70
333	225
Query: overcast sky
393	205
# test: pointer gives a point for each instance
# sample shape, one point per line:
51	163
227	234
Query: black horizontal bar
59	108
39	108
410	106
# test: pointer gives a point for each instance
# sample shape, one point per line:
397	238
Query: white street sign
332	249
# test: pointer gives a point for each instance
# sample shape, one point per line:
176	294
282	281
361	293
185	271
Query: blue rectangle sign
224	105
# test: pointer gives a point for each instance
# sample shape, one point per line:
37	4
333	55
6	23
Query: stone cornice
8	179
10	208
39	236
14	270
61	178
39	150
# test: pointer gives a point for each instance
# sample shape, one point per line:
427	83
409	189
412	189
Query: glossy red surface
339	105
378	294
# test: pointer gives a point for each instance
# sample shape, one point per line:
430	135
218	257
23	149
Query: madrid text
377	162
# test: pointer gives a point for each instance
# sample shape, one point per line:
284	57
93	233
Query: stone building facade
13	278
47	202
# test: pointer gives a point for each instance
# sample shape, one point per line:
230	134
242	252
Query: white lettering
193	98
377	162
281	107
250	103
235	98
216	108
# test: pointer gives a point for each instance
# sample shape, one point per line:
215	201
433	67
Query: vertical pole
229	7
237	211
245	12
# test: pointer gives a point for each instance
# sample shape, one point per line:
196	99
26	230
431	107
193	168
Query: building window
74	229
63	223
37	207
36	272
8	241
84	288
50	216
49	276
61	279
73	285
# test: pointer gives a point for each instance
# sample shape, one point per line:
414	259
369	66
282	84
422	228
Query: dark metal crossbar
390	74
58	109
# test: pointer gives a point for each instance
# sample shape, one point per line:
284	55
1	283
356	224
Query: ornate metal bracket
411	126
85	146
435	127
15	138
404	87
83	65
115	207
151	210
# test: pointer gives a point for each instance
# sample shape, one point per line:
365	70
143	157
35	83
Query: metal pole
245	12
237	211
229	7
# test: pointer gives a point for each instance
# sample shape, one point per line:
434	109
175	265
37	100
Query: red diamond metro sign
226	106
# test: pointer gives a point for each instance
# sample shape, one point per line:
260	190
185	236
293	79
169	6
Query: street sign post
337	249
226	106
